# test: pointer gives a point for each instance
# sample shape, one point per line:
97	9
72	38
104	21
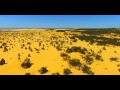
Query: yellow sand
50	57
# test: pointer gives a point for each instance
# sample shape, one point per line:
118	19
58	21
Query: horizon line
62	28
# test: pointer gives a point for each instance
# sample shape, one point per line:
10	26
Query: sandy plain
57	50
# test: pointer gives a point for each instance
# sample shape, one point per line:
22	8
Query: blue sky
59	21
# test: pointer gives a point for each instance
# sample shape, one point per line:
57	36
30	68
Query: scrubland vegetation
60	52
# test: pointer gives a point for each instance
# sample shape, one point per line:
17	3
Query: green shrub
18	57
43	70
98	57
74	62
5	49
0	46
30	49
89	60
65	56
104	48
27	74
69	50
87	70
58	48
29	55
76	49
55	73
43	48
75	40
25	47
2	61
26	63
100	51
113	59
28	43
67	71
19	54
4	44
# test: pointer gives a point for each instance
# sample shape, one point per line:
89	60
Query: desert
60	52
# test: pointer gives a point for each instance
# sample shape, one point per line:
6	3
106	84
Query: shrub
118	65
87	70
43	48
29	55
75	40
89	60
113	59
2	61
26	63
69	50
55	73
76	49
74	62
28	43
5	49
43	70
58	48
25	47
4	44
73	49
67	71
98	57
70	43
19	54
65	56
27	74
30	49
100	51
18	57
78	67
38	52
104	48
